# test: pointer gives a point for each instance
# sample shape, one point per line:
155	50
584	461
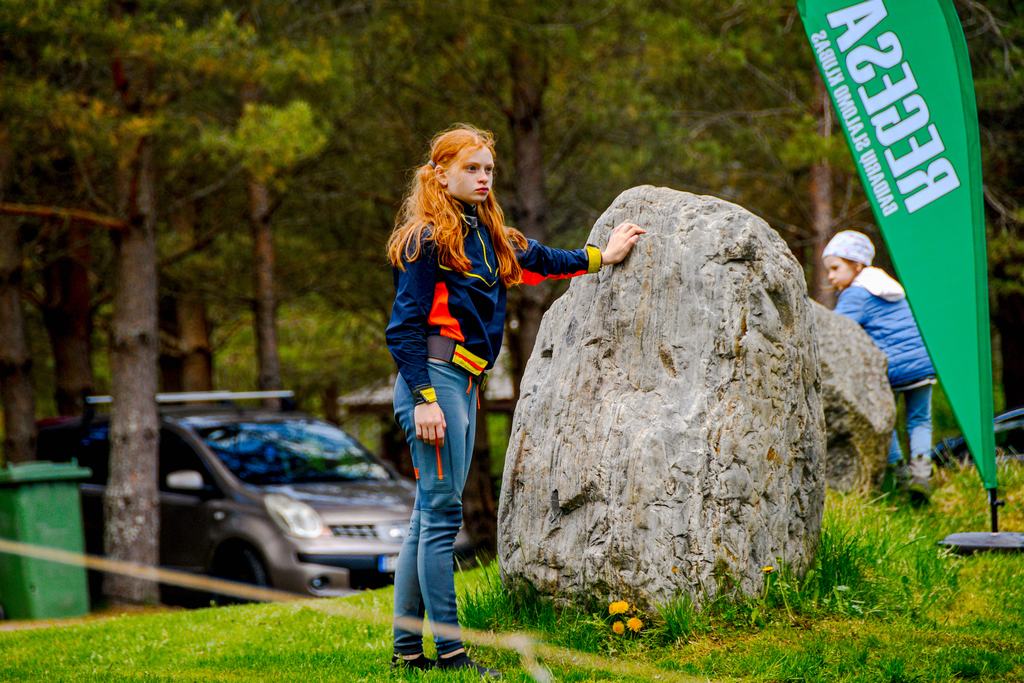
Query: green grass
882	603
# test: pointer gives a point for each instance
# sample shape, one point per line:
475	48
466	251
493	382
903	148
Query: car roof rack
201	396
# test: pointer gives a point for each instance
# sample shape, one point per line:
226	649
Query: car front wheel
240	564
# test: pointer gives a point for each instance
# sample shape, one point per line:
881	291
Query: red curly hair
428	205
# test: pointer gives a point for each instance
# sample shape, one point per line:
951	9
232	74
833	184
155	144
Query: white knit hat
851	245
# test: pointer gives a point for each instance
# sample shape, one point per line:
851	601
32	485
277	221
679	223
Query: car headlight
294	516
394	533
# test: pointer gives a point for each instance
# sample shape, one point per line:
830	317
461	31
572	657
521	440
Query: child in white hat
878	303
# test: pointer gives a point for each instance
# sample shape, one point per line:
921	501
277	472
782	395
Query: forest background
196	195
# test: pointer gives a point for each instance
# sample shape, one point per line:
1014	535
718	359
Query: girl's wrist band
424	395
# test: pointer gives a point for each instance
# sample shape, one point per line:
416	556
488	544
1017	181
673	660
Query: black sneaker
421	662
462	661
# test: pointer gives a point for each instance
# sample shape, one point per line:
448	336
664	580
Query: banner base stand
968	543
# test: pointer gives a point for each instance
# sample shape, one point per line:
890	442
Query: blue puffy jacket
886	317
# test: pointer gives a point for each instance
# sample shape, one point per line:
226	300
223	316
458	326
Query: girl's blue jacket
468	307
889	322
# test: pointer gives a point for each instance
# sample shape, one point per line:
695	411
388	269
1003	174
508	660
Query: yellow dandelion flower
618	607
767	569
635	625
618	628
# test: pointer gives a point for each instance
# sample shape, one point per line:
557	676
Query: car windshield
291	452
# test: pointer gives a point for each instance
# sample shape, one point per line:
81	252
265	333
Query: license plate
386	564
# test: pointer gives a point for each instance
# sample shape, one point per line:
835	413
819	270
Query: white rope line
147	572
530	648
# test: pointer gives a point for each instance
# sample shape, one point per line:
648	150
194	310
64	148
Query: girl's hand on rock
430	424
621	241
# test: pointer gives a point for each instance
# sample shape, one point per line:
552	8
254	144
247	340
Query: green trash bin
39	505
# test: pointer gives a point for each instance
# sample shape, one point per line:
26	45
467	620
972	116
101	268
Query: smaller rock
859	408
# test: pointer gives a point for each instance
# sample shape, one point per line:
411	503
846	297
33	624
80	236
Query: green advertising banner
900	81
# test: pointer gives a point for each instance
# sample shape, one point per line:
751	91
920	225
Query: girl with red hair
454	259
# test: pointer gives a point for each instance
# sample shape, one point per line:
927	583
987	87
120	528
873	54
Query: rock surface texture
669	437
859	406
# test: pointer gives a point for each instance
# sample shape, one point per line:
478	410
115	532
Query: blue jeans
425	575
919	423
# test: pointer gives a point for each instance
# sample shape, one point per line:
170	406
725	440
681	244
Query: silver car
271	498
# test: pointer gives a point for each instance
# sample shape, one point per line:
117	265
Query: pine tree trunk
131	502
170	348
15	362
16	392
329	398
821	199
197	355
265	305
264	297
18	396
186	360
67	315
529	81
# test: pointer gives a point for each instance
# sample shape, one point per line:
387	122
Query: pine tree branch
16	209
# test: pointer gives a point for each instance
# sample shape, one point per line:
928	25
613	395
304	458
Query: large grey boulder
859	407
669	437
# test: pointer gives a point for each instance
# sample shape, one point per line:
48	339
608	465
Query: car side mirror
186	480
